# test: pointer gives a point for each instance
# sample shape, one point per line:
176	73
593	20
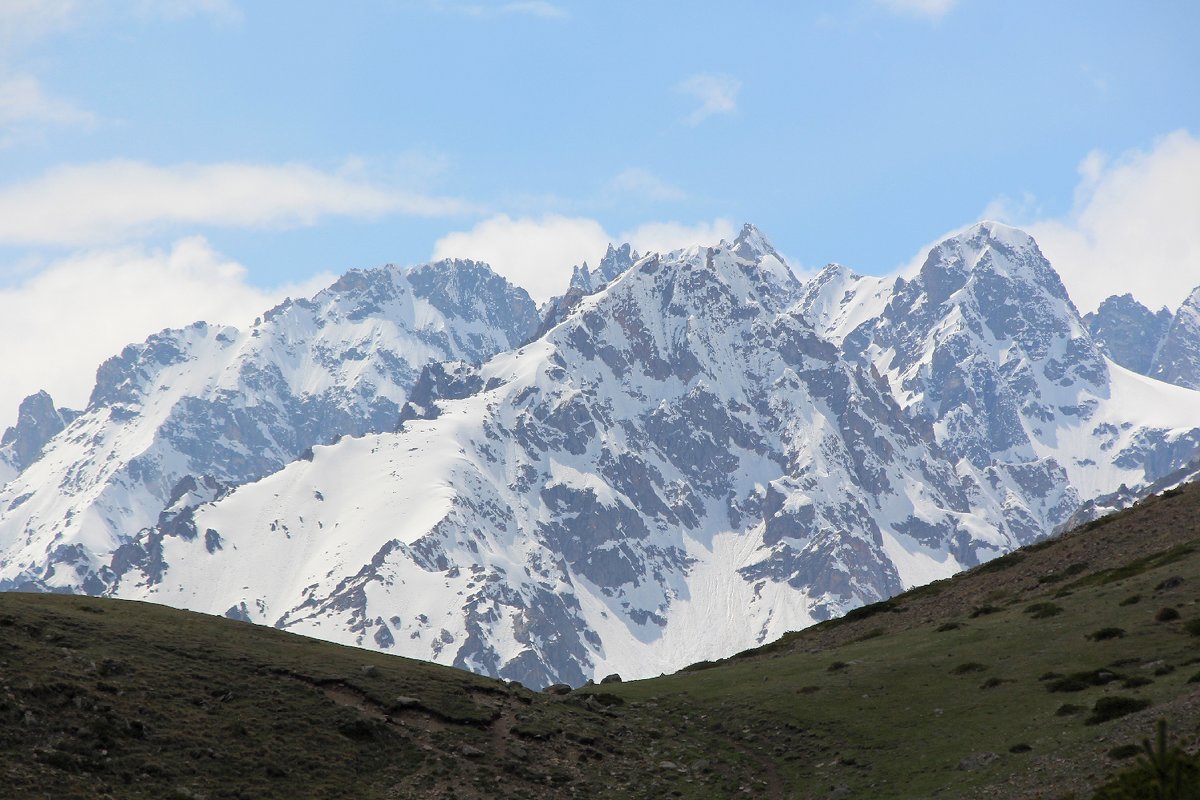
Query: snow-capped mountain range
685	455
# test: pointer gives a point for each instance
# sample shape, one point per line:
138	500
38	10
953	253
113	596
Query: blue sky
162	160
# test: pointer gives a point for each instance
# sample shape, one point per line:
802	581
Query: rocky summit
685	455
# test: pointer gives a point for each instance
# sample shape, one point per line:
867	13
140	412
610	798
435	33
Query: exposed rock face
1128	332
38	421
616	260
1161	345
1178	358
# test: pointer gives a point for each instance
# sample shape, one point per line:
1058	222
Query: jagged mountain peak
616	260
126	377
1128	332
752	247
752	237
987	252
751	244
35	407
1178	357
38	421
835	271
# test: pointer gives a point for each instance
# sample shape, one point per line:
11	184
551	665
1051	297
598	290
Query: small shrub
1114	706
1135	682
1078	681
1192	626
999	564
1043	610
949	626
1067	709
981	611
837	666
1049	676
1106	633
1172	582
870	610
1020	748
1166	614
874	633
1124	751
970	666
1163	669
1068	684
991	683
1132	600
1195	678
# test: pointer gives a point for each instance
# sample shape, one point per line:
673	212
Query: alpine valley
686	455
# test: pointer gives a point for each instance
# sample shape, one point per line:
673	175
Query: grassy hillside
1028	677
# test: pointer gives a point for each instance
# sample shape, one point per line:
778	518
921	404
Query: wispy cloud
717	95
534	8
222	10
528	8
928	9
115	200
26	109
116	296
1133	226
643	183
25	21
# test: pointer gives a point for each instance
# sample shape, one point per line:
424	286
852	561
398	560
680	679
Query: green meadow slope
1028	677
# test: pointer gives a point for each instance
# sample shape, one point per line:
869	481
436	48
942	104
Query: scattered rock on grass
977	761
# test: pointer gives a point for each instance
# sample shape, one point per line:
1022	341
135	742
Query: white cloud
717	95
23	21
25	108
113	200
642	182
538	253
59	325
1135	226
930	9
